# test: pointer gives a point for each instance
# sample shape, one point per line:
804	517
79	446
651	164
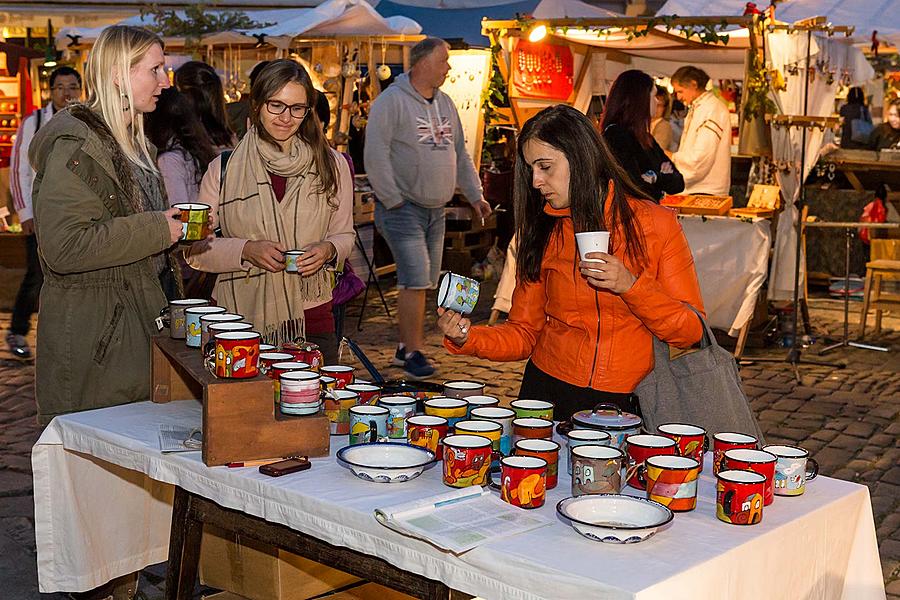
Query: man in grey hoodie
415	158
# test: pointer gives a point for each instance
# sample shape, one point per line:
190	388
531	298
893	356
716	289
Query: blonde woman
102	225
284	189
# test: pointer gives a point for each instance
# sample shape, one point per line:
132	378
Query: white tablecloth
102	508
731	257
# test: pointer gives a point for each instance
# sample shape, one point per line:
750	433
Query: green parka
101	289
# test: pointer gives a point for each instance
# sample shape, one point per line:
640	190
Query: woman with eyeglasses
282	188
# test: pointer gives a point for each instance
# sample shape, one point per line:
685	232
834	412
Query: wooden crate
690	204
240	419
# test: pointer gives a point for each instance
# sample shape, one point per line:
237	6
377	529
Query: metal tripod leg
373	278
845	342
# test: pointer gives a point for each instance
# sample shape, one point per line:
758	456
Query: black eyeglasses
298	111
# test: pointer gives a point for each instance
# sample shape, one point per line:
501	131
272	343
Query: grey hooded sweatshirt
415	149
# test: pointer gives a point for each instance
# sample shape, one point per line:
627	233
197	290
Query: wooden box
689	204
240	419
764	201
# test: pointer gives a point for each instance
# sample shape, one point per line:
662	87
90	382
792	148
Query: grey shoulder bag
701	388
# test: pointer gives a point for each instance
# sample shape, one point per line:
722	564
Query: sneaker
399	358
18	346
417	366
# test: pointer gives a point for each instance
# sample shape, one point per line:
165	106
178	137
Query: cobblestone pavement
848	418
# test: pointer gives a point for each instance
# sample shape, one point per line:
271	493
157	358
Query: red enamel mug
267	359
758	461
739	497
639	448
237	354
523	481
427	431
546	449
724	441
343	375
691	440
467	460
369	393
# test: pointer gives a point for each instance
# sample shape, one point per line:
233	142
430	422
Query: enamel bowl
614	518
386	462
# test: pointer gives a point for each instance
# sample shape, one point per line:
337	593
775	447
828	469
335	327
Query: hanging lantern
383	72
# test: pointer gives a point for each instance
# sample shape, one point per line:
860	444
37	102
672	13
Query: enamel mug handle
812	469
494	470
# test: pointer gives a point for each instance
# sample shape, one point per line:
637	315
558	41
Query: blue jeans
415	236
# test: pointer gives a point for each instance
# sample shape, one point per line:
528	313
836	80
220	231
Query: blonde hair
117	50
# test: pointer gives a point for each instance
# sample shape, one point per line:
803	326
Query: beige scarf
248	209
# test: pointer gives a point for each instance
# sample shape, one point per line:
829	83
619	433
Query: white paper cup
592	241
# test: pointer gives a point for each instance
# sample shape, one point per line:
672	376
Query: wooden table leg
184	548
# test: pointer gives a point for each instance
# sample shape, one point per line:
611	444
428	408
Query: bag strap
708	338
223	164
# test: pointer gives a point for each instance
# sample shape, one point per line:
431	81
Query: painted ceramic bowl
385	462
614	518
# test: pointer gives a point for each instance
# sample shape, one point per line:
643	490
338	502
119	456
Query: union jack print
434	131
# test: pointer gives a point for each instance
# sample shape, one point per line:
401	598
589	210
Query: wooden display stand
240	419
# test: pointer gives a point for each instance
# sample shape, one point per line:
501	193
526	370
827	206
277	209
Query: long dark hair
628	105
591	170
174	126
202	86
269	82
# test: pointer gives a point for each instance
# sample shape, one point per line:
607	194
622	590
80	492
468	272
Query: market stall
344	44
570	52
821	544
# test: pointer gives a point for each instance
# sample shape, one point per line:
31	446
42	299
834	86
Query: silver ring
462	327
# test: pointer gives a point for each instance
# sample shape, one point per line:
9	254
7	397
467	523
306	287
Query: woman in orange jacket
587	327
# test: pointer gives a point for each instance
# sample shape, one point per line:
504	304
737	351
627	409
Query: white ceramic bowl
614	518
386	462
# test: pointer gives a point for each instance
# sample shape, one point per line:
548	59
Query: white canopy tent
329	19
865	16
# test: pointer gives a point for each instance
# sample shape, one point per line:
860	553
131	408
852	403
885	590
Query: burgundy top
279	184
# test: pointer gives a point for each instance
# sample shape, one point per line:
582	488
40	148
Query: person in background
202	86
887	135
586	327
283	188
625	125
239	112
184	148
855	108
415	157
661	123
65	86
704	154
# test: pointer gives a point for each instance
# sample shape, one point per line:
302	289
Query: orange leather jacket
592	338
